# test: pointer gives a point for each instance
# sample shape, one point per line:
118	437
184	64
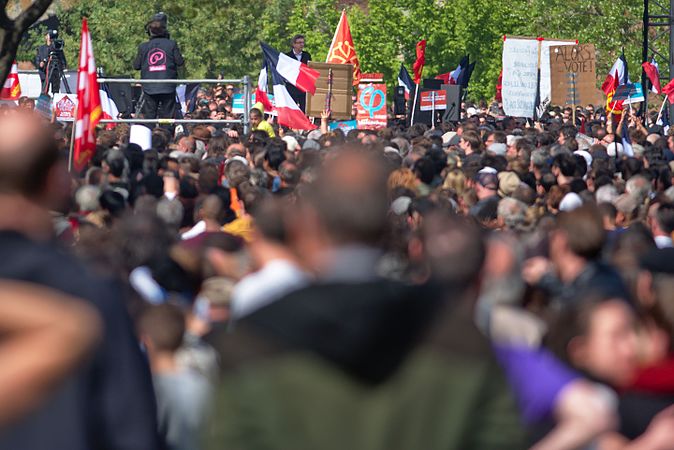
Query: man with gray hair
511	214
606	194
86	198
638	187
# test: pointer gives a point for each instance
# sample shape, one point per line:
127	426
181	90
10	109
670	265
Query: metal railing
245	81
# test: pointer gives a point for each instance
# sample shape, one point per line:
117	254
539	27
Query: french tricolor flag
294	72
289	114
454	74
616	77
405	80
261	91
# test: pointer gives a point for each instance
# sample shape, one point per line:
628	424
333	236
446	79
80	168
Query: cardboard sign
342	90
65	106
345	125
426	99
371	107
573	75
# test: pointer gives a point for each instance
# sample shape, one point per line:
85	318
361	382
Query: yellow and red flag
616	77
342	49
89	109
11	89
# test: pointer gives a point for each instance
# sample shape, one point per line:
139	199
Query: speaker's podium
342	90
435	103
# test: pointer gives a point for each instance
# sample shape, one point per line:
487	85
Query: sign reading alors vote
573	75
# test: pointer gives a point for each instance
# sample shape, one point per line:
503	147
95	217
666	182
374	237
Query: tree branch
31	14
5	22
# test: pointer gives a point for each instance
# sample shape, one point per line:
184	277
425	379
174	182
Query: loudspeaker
124	97
453	111
419	115
399	101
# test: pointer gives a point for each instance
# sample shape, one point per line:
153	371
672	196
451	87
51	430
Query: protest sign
427	98
520	74
546	80
237	103
44	106
65	106
520	60
141	135
345	125
573	75
629	93
341	90
371	106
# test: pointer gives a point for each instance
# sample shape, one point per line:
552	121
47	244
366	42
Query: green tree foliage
222	37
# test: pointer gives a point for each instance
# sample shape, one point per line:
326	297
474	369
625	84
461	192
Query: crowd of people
495	283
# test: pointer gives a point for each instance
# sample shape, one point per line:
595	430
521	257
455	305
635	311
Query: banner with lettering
432	100
65	106
371	107
520	74
573	75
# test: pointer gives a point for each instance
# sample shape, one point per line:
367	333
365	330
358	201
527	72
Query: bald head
27	153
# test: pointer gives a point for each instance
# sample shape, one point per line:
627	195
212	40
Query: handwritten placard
573	74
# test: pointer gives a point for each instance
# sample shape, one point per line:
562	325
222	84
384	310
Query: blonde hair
455	181
402	178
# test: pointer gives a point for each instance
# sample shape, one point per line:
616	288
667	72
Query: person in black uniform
54	67
299	54
158	59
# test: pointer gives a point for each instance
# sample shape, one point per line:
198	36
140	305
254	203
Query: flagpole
72	141
416	93
414	103
662	108
332	44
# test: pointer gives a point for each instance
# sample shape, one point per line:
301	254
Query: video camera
57	44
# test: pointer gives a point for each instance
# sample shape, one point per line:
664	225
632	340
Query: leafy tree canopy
222	37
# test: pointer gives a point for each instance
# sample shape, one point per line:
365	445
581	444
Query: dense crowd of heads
557	226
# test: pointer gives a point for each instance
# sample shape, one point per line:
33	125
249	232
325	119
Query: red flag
418	66
89	109
499	88
669	90
12	89
653	75
342	49
445	77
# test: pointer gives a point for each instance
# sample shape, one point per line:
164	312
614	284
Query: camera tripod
54	75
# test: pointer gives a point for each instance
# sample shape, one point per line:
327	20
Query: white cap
488	169
497	148
511	139
570	202
291	142
612	147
